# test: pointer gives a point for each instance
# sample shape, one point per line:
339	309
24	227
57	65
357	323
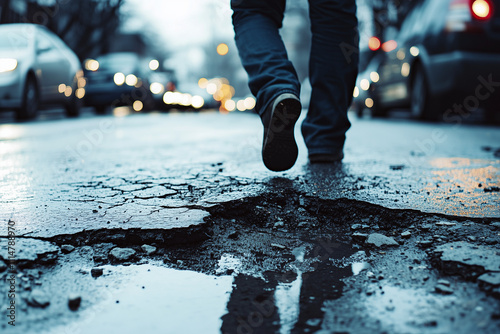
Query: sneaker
279	150
326	158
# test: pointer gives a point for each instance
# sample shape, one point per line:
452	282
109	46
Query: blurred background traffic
433	59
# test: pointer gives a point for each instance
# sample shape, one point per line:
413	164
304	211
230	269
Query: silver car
37	68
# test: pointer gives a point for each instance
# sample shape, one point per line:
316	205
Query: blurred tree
390	13
5	9
87	26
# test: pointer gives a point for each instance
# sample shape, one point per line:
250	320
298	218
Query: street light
222	49
154	65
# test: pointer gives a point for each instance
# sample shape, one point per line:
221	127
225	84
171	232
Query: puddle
291	300
171	301
287	297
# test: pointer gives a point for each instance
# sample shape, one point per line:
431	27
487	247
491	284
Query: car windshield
12	40
118	62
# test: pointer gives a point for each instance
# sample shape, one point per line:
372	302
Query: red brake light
374	43
481	9
389	46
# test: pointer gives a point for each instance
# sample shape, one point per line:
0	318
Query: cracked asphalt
175	214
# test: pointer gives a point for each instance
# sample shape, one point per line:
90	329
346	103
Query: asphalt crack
267	239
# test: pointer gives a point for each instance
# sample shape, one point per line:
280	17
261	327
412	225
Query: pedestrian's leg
261	49
272	78
332	72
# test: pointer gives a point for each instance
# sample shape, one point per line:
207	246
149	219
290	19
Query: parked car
37	69
366	83
118	79
445	60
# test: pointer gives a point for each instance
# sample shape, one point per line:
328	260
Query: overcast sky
185	27
182	22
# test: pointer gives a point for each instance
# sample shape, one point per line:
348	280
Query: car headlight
7	64
156	88
119	78
131	80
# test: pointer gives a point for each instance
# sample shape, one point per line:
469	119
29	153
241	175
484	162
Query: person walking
274	82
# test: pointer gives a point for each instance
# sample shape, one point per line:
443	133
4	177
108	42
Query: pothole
288	254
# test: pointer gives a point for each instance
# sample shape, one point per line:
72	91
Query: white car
37	68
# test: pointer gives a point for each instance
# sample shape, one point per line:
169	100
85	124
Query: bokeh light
131	80
230	105
137	105
68	91
364	84
156	88
374	43
197	101
119	78
222	49
374	77
202	83
369	102
91	65
249	103
62	88
154	65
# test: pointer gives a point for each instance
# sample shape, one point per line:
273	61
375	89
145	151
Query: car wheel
491	115
74	106
30	103
378	111
419	95
100	110
359	111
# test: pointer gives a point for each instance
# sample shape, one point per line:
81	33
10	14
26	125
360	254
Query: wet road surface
184	220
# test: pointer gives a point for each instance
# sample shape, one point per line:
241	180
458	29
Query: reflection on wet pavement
161	293
464	181
291	301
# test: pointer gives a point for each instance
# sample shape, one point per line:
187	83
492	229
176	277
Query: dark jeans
332	66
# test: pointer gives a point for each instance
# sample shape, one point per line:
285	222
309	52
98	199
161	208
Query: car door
52	68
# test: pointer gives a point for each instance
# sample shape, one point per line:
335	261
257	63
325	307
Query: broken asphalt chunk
66	249
406	234
30	250
490	283
466	259
148	249
425	243
122	254
380	240
492	279
96	272
74	302
443	289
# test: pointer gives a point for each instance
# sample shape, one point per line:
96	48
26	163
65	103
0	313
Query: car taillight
481	9
389	46
374	43
463	13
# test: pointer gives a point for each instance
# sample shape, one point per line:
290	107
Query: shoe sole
280	150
